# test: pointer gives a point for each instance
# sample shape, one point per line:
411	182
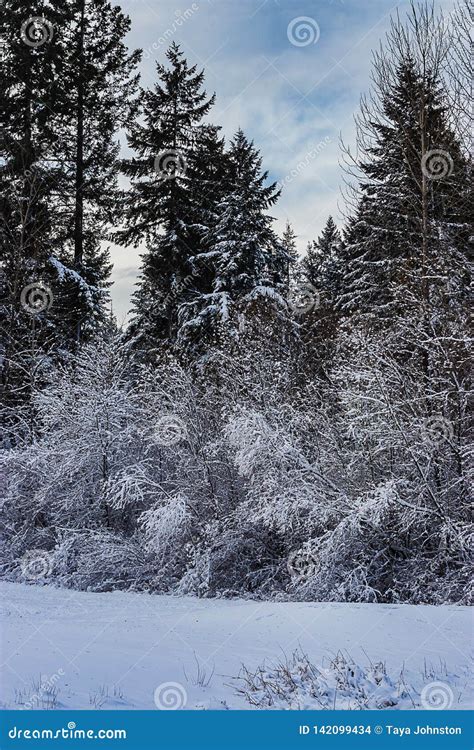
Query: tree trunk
79	185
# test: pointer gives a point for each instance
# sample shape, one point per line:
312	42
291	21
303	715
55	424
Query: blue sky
288	72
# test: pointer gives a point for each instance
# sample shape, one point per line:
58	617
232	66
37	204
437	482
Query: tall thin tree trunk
27	209
425	291
79	185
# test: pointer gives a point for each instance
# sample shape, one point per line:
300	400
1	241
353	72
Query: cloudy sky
288	72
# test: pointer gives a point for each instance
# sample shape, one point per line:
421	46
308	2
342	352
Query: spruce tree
208	172
28	179
289	246
391	240
161	207
248	258
320	265
320	280
309	265
65	90
405	255
99	81
243	236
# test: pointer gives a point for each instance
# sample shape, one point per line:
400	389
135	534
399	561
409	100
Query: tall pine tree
30	329
321	273
99	82
392	240
249	260
66	88
161	203
289	246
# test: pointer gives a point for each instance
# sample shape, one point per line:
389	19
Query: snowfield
76	650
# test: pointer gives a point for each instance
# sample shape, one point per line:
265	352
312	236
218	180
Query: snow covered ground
69	649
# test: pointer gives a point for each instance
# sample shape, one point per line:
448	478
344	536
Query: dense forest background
267	425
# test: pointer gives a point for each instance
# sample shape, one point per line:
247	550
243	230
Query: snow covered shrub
167	528
384	552
407	523
440	574
153	477
88	469
166	524
245	560
354	559
100	560
287	488
297	684
109	467
238	561
84	433
284	457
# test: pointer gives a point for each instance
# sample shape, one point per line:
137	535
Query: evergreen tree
97	98
161	206
310	264
329	249
392	239
67	89
28	179
243	236
289	246
66	86
320	283
320	264
405	255
405	261
248	258
208	172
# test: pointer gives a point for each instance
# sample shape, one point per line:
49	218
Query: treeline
267	424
